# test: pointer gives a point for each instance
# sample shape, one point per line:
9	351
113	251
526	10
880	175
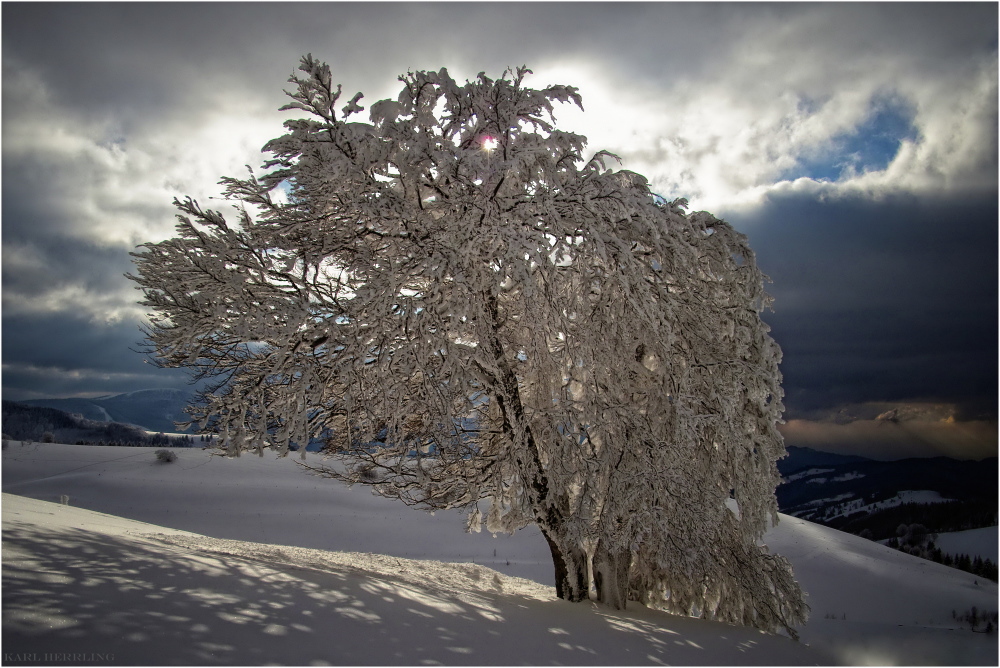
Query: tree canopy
466	311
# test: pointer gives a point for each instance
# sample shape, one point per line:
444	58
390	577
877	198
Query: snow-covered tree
466	312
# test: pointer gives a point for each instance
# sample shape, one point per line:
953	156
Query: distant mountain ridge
155	410
854	494
801	458
40	424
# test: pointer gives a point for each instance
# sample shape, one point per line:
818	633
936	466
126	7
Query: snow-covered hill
854	493
115	592
156	410
973	542
869	604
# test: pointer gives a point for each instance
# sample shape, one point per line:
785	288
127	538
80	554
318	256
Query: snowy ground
343	588
973	542
852	505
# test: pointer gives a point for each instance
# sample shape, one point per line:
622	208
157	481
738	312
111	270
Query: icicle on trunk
570	565
611	575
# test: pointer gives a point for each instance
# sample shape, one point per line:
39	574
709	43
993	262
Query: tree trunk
570	570
569	560
611	575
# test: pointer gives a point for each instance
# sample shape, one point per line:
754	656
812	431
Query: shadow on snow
142	601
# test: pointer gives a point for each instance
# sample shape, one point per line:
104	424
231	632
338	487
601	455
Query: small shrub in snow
979	621
48	437
165	456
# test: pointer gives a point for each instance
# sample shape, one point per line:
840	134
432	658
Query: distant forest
850	494
937	517
37	424
917	540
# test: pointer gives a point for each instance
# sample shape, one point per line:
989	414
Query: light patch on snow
832	499
973	542
853	475
852	505
920	496
905	496
806	474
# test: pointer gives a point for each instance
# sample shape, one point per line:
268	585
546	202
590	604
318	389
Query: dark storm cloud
59	354
151	54
892	300
137	62
36	266
110	110
67	343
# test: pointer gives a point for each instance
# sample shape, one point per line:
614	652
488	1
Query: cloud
888	440
884	273
719	104
880	300
887	430
92	180
79	195
65	354
780	96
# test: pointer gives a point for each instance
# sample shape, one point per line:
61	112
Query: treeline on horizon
941	517
984	568
39	424
917	540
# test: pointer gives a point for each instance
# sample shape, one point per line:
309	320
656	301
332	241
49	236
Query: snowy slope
873	605
869	604
155	410
264	500
110	591
973	542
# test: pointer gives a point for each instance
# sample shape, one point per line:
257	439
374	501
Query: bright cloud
117	188
776	115
886	429
106	189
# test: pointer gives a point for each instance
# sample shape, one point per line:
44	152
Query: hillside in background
872	499
22	422
800	458
940	493
155	410
851	493
845	492
925	507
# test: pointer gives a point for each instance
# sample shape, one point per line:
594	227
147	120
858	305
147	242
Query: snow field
870	604
973	542
853	505
83	583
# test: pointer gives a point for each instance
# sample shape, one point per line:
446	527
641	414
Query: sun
490	143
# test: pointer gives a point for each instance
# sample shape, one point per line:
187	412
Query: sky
854	144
